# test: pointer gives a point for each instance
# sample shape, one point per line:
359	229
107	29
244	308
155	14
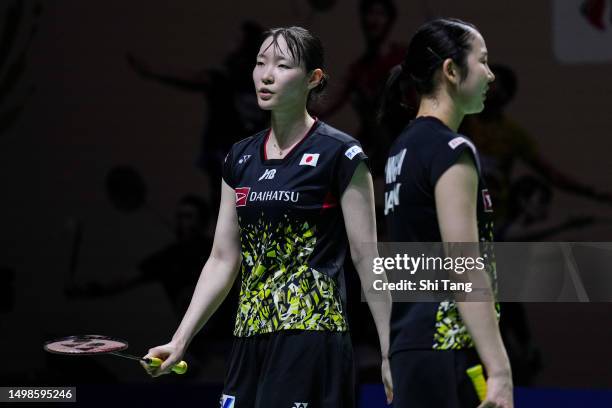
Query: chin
476	109
265	105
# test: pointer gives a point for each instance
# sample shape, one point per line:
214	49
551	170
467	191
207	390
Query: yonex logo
268	174
227	401
300	405
242	194
309	159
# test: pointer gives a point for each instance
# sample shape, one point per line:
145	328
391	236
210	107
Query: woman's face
280	82
471	92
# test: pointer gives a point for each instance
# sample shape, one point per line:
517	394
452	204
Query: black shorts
293	369
433	379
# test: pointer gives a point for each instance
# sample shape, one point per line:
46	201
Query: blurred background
115	117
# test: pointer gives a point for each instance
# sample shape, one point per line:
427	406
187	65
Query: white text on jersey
394	166
268	174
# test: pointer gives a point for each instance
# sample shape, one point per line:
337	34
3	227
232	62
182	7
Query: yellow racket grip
478	380
179	368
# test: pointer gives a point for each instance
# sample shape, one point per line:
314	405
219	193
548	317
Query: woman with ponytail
434	193
295	197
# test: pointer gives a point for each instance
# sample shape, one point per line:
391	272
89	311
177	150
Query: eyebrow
278	57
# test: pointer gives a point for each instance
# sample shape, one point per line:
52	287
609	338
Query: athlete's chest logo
268	174
309	159
242	194
244	159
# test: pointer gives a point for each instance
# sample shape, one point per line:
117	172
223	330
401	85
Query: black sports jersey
292	231
425	149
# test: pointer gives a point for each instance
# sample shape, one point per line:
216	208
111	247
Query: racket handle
179	368
478	380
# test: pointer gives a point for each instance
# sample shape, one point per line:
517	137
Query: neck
442	107
290	126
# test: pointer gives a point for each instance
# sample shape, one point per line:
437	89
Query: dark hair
430	46
305	48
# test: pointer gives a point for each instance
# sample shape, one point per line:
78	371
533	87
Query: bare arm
456	197
214	284
360	221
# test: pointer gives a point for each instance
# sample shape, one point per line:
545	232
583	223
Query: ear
315	78
450	71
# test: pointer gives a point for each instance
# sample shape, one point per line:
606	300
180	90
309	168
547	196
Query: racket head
85	344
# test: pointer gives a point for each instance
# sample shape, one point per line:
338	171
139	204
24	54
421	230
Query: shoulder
431	133
333	137
248	143
337	141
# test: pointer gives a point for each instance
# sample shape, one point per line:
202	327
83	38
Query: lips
265	94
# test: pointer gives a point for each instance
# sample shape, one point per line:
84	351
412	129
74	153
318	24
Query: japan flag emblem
309	159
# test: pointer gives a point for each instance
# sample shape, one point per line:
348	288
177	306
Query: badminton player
294	198
434	193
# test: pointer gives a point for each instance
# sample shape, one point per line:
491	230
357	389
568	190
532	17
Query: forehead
478	44
275	48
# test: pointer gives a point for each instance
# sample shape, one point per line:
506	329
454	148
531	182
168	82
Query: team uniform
430	345
292	347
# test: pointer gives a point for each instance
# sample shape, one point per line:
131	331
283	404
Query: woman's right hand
499	392
171	353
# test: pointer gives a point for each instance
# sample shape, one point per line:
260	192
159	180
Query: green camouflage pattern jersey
421	154
292	233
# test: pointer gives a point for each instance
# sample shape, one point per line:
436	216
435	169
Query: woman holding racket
435	193
288	194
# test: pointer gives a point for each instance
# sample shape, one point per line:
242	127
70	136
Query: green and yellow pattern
279	290
450	331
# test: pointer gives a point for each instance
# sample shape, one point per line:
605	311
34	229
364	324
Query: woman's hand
499	392
387	380
171	353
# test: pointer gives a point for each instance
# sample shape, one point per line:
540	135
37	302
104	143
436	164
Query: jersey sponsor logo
300	405
392	198
227	401
268	174
486	200
394	166
460	140
309	159
274	195
242	194
353	151
244	159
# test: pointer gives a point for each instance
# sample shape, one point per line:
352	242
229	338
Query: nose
491	76
267	77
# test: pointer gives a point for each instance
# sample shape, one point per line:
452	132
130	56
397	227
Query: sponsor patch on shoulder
353	151
457	141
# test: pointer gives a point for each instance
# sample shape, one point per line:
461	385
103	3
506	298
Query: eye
259	63
283	66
